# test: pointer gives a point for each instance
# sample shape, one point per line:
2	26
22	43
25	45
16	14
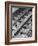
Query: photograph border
7	3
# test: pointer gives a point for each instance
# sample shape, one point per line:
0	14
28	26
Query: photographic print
21	22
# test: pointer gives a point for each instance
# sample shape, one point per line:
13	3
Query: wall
2	22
